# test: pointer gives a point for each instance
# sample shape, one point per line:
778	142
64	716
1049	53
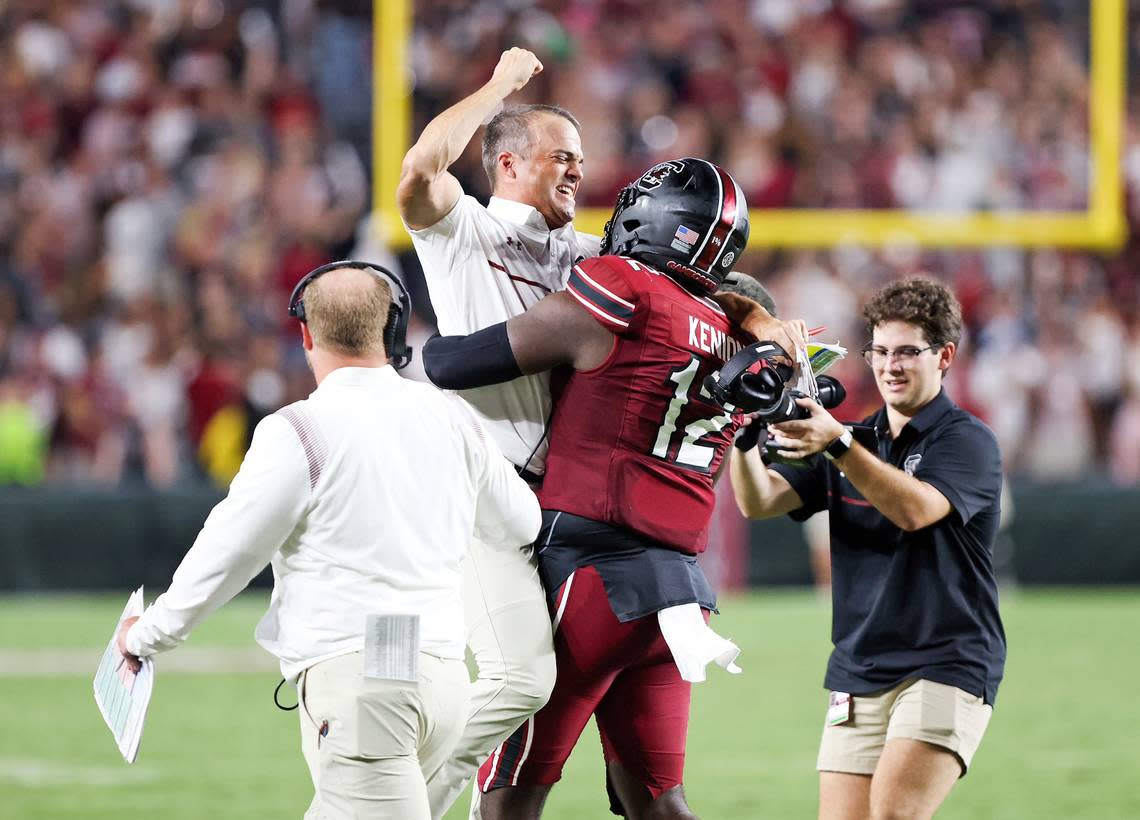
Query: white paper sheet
123	696
823	356
392	647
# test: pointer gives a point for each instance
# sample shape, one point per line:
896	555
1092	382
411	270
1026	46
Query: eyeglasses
905	355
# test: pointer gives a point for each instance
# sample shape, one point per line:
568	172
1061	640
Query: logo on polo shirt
911	463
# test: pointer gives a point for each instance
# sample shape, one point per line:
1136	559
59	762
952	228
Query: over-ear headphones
753	379
399	313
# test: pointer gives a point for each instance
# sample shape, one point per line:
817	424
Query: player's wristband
838	447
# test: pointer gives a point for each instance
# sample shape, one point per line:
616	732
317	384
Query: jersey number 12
691	453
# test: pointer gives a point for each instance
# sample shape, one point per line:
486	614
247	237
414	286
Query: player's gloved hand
752	431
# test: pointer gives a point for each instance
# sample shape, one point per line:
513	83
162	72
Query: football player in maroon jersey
635	443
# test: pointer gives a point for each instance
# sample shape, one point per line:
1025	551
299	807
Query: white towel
694	644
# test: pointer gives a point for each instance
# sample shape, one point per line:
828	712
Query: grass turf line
1060	745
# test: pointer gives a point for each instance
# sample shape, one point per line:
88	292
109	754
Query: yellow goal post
1101	227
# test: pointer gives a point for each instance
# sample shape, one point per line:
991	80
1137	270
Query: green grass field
1062	744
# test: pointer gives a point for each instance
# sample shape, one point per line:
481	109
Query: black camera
831	394
755	381
752	379
784	408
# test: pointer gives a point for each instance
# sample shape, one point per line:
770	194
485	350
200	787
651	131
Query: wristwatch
838	447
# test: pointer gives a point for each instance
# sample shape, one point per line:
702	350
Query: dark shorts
624	674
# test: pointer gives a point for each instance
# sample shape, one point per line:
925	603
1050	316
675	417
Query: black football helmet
685	217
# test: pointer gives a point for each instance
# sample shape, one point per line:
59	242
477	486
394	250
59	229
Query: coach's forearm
446	137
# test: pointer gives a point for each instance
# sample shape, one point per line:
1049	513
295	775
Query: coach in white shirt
483	266
334	492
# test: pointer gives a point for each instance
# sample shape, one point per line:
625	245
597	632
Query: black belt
528	476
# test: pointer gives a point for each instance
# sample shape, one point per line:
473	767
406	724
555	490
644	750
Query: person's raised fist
516	67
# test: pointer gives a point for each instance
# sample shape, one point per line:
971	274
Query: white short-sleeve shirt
484	265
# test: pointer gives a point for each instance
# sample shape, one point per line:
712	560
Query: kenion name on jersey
703	336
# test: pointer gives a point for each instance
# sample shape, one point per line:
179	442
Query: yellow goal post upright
1100	227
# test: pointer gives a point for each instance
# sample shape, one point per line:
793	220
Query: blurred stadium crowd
169	168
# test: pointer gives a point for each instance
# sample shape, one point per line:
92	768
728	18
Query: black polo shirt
914	604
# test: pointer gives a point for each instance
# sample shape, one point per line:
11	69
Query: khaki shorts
923	710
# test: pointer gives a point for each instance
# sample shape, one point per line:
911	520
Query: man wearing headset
365	546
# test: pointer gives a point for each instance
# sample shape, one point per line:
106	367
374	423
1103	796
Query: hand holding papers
121	693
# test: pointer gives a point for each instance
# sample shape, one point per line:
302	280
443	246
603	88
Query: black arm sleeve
461	362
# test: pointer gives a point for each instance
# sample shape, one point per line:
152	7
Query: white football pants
508	632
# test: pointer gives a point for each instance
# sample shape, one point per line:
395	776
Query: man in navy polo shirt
919	645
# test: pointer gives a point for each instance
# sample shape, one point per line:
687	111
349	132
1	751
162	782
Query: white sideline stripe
526	750
562	603
494	768
553	524
186	660
37	772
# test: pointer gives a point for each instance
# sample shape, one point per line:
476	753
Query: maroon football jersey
636	441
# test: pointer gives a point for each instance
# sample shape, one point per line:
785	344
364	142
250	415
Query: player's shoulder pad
610	288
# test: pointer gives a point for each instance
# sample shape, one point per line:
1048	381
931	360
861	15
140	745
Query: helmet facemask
619	237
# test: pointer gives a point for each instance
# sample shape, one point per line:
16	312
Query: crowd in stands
169	168
167	171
